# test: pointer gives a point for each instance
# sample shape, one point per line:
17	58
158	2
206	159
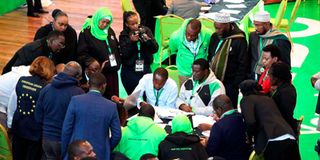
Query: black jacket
89	46
286	98
281	42
29	52
129	49
147	9
69	52
228	138
237	65
183	146
23	122
263	120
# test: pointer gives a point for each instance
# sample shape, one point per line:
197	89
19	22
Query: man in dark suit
48	47
90	117
271	133
228	135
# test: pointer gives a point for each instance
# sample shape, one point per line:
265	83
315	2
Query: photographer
137	45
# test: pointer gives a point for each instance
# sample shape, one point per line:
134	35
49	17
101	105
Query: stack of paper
170	113
233	1
198	119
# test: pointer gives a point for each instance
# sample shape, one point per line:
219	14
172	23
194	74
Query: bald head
222	104
73	69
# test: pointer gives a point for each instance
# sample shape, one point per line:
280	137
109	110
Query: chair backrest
255	156
5	148
173	73
126	5
165	26
299	123
280	13
208	23
168	24
294	12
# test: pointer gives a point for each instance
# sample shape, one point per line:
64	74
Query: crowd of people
60	95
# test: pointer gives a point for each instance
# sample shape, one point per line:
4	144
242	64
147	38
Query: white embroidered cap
262	16
222	17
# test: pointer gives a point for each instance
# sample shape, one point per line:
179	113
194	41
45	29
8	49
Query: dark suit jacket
318	104
286	98
263	120
29	52
281	42
228	138
89	117
69	52
237	64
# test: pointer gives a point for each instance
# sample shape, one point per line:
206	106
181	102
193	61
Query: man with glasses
48	46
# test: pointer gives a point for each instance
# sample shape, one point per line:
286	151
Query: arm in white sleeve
317	84
12	106
183	96
172	97
140	88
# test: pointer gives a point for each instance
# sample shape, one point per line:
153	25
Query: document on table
231	11
233	1
169	113
205	8
132	99
198	119
236	6
212	15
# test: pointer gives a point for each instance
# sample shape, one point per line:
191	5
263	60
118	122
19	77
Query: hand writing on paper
185	108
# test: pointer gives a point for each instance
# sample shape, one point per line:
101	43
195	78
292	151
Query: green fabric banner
9	5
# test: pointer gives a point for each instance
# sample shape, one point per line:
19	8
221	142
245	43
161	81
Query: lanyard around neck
108	46
139	46
196	83
219	44
157	94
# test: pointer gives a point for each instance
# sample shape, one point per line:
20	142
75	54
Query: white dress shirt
167	95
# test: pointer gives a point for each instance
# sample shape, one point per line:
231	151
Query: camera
142	34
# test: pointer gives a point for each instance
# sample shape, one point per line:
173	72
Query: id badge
139	66
113	61
259	69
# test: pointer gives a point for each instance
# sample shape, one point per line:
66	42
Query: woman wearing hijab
182	143
98	40
60	23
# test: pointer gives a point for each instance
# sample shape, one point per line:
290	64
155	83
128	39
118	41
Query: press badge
113	61
139	65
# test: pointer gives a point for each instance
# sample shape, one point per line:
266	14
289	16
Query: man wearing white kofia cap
264	35
228	54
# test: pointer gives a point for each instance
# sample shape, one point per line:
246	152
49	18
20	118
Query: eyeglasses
59	44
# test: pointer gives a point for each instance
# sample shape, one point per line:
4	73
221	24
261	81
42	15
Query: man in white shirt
8	83
159	89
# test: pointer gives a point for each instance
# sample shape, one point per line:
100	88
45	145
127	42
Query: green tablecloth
9	5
